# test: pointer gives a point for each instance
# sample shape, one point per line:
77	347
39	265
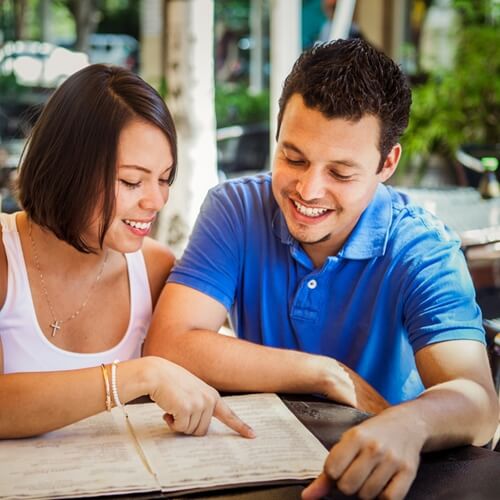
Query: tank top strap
8	222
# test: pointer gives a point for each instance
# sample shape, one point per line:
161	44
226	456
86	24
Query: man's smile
309	211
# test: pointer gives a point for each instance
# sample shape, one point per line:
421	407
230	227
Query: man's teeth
309	212
138	225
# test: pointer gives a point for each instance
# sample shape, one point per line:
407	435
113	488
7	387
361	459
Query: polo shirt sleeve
211	262
439	296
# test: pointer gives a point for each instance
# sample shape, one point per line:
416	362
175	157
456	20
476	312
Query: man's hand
189	402
339	383
377	458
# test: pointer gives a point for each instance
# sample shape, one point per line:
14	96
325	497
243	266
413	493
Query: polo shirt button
312	284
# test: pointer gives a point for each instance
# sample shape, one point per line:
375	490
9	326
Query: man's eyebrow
144	169
346	163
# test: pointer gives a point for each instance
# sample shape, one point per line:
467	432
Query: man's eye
130	185
340	177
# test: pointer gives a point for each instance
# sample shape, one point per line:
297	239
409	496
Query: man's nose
310	185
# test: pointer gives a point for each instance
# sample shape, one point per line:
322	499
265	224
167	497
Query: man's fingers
399	485
228	417
319	488
340	457
377	480
356	473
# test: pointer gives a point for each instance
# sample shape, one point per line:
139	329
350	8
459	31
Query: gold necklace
57	323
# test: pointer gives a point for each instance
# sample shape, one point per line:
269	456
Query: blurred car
242	150
119	49
29	73
39	64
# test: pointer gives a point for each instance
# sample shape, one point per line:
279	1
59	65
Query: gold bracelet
106	386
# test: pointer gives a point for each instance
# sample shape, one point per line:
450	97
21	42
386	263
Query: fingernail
251	432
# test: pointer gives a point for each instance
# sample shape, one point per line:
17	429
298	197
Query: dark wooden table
466	473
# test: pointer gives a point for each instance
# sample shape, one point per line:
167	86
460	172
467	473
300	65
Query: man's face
325	175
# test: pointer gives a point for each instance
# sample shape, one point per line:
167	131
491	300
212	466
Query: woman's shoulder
3	270
159	261
11	222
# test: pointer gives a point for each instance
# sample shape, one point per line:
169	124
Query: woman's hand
189	403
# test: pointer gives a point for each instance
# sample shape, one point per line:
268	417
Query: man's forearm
232	365
452	413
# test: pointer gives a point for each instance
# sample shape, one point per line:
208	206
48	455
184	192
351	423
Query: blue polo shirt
399	283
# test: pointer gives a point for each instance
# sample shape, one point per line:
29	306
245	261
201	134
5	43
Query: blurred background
220	65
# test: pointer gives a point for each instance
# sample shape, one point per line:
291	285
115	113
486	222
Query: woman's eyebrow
144	169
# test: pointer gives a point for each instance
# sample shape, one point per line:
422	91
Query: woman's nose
155	198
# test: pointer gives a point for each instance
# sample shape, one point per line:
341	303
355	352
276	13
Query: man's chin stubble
316	242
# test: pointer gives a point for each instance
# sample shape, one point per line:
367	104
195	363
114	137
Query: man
337	284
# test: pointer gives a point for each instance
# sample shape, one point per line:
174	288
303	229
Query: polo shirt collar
368	238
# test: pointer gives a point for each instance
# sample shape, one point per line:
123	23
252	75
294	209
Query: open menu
104	455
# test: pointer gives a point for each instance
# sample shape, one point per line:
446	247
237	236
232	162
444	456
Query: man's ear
391	162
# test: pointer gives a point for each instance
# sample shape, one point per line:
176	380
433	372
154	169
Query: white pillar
285	17
190	82
45	21
256	55
342	19
151	35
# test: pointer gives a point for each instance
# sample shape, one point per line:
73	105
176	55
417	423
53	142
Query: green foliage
234	14
236	106
120	16
12	92
9	86
459	106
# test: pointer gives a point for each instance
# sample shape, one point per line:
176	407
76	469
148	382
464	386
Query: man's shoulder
260	184
247	193
411	220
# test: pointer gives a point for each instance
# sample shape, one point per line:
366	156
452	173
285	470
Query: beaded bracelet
106	386
114	386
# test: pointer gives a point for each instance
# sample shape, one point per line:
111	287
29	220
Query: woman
78	275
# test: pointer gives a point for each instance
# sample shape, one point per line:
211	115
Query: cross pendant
55	326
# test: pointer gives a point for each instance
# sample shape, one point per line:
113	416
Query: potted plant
461	105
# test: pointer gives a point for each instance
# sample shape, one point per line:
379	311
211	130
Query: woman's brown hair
68	167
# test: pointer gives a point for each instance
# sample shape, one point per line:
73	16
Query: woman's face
144	165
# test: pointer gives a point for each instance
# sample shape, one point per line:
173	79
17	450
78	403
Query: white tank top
25	347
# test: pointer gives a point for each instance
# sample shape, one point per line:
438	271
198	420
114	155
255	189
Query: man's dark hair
68	167
350	79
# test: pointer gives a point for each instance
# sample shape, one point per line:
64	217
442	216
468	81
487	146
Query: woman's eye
130	185
165	182
294	162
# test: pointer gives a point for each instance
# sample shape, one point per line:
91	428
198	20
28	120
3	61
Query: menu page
90	457
283	449
105	455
